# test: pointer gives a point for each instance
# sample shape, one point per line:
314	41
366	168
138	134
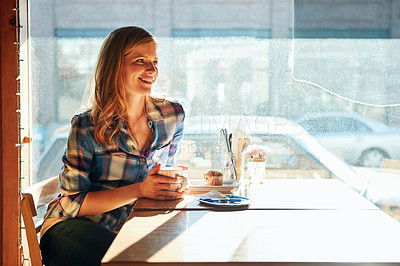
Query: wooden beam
9	130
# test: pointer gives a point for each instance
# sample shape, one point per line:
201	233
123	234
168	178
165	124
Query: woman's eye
139	61
155	63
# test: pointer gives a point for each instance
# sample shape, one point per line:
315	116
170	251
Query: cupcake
213	178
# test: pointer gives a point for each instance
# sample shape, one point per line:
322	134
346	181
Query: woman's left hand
157	186
184	167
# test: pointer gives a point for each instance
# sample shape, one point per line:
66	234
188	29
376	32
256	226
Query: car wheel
372	158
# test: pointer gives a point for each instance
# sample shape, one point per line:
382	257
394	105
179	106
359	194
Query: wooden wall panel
9	153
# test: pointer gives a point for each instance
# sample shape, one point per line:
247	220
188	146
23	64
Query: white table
283	233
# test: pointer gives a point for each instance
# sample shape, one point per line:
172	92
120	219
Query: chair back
34	197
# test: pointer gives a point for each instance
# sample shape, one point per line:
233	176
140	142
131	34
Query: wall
9	162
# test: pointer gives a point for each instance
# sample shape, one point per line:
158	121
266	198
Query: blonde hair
109	104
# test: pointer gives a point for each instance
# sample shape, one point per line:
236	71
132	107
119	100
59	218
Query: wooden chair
34	197
391	163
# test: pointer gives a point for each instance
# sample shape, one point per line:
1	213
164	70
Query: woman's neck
136	106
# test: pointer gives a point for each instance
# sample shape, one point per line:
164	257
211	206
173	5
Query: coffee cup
174	172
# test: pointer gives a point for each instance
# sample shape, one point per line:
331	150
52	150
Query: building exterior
55	20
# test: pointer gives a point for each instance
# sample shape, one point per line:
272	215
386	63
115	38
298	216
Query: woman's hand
157	186
184	167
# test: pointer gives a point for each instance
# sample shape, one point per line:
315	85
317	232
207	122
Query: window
294	60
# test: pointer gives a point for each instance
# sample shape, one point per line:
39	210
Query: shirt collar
154	114
153	111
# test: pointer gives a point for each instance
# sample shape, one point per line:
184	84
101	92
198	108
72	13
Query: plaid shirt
89	166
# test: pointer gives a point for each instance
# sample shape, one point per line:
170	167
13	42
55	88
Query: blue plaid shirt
89	166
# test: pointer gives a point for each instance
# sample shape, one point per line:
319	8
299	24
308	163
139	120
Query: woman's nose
151	67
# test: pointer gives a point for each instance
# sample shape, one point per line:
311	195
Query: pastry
213	178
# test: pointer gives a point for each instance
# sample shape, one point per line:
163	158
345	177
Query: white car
356	139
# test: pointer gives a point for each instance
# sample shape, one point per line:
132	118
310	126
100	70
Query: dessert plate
229	201
228	187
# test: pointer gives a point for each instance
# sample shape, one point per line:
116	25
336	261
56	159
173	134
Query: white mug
174	172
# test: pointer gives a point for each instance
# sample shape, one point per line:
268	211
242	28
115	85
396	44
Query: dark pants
75	242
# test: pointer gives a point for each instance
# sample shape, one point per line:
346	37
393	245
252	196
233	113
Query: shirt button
124	208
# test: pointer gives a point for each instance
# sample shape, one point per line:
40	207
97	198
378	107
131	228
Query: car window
343	124
360	127
315	125
337	125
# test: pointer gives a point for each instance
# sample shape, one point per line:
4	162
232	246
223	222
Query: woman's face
139	70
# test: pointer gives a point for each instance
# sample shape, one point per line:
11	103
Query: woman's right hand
161	187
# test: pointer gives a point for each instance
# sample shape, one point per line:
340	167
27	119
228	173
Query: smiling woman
108	163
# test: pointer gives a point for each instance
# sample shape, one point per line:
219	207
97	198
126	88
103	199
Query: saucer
229	201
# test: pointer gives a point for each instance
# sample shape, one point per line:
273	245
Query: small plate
197	187
232	201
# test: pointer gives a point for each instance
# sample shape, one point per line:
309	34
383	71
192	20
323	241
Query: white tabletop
256	236
290	222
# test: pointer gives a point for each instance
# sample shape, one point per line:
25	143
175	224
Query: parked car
293	153
356	139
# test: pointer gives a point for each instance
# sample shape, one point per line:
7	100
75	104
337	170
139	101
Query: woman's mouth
147	80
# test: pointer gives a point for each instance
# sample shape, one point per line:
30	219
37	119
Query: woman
109	160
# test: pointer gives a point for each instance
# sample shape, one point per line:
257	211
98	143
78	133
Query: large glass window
329	66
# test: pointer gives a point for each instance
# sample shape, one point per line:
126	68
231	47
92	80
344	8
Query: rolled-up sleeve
74	176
